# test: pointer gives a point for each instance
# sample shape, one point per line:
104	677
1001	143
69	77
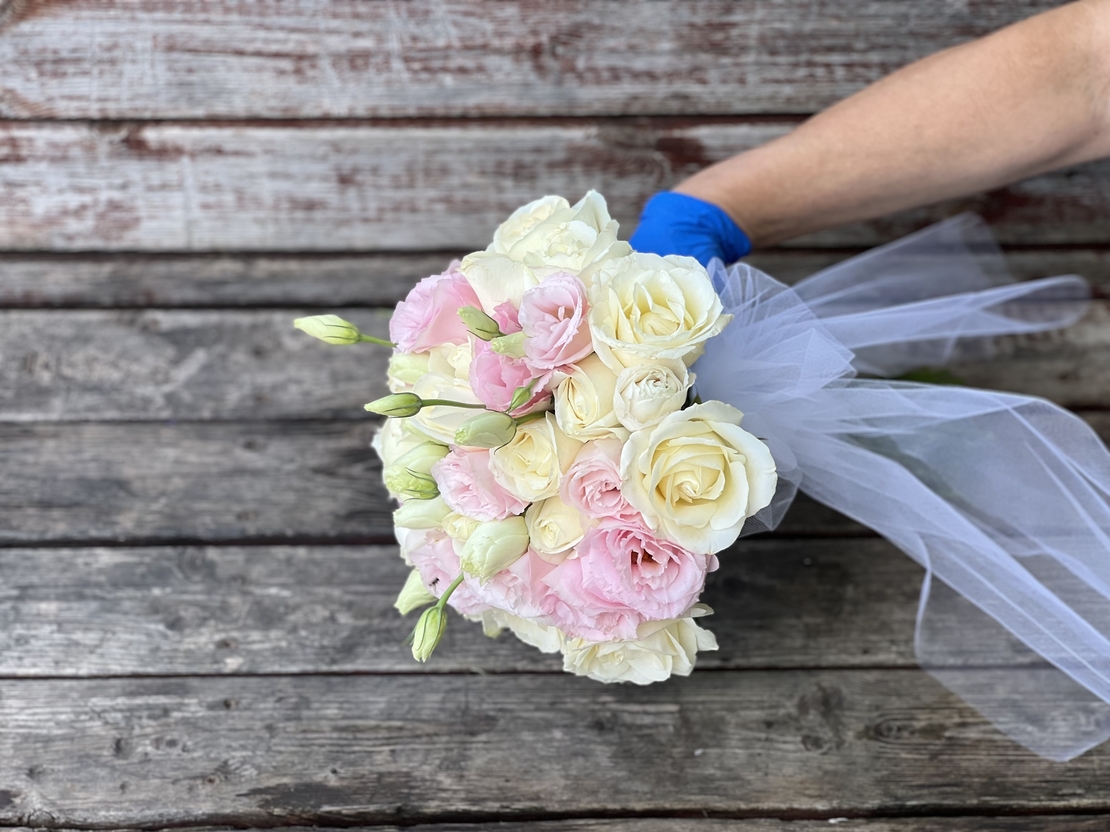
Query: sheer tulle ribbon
1003	499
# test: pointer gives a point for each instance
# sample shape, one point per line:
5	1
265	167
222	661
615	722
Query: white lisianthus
645	308
531	465
421	514
395	438
413	595
545	638
549	234
645	393
497	278
494	546
697	476
553	527
441	421
459	527
410	475
584	401
661	649
405	369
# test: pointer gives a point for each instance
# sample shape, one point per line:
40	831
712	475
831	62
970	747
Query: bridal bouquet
556	475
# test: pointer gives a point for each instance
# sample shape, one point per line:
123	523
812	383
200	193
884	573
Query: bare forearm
1029	98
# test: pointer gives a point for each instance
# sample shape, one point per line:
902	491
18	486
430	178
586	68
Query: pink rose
438	565
519	589
429	316
593	482
553	317
468	487
495	378
622	577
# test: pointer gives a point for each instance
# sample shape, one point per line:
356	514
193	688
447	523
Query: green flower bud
398	405
493	547
486	430
511	346
329	328
479	323
421	514
429	630
521	396
414	594
410	477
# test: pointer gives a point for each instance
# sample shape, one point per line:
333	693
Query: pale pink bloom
508	319
520	589
553	317
495	378
468	487
592	484
429	316
438	564
622	577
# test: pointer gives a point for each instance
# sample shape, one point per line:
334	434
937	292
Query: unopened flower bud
493	547
479	323
397	405
329	328
428	632
410	477
510	346
414	594
421	514
459	527
486	430
521	396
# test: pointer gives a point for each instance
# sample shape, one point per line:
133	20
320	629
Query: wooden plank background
196	564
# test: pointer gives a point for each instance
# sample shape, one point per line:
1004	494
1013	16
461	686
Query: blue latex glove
673	223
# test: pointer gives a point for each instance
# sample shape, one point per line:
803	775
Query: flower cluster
555	473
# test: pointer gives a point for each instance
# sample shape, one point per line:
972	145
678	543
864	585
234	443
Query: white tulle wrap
1003	499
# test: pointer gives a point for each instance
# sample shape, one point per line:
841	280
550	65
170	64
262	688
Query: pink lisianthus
519	590
508	319
495	378
553	317
438	565
592	484
468	487
429	316
622	577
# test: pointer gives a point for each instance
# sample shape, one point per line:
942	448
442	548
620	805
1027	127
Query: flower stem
442	602
531	417
370	339
449	403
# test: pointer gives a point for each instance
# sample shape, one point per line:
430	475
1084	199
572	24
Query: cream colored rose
646	393
584	402
553	527
567	238
459	527
661	649
644	308
451	360
697	476
531	465
405	369
497	278
545	638
441	421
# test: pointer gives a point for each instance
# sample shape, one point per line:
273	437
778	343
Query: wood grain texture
311	750
326	281
228	482
318	59
289	609
136	365
158	187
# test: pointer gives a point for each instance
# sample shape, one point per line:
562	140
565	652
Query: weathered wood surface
335	281
345	749
249	364
292	609
184	187
317	59
227	482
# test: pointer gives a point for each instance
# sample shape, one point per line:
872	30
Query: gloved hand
673	223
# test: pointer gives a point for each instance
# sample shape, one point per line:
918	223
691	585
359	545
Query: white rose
553	527
644	308
497	279
545	638
459	527
441	421
697	476
405	369
494	546
561	237
661	649
646	393
584	402
451	360
531	465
